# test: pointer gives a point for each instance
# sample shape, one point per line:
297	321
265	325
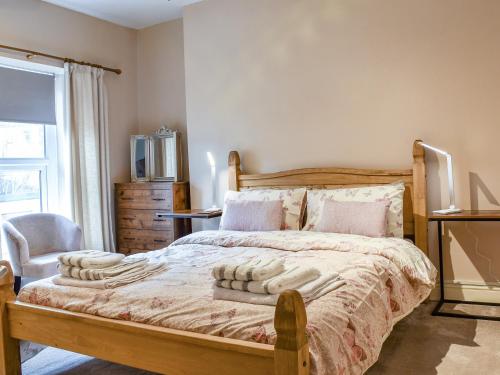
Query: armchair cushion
42	266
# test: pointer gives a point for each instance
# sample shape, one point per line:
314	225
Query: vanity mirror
165	151
157	157
139	158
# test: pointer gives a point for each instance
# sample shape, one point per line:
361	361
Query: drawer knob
160	241
158	199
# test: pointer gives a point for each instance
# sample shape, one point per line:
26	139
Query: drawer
135	240
144	199
142	219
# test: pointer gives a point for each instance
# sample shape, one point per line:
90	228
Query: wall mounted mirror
139	158
166	160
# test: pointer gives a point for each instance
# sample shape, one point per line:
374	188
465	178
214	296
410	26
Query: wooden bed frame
176	352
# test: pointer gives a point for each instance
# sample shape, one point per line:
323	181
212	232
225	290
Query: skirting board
469	291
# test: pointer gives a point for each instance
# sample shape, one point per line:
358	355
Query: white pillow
293	203
393	192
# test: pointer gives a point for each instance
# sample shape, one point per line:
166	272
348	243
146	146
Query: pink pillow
252	215
363	218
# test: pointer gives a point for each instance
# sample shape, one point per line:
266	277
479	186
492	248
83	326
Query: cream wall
298	83
36	25
310	83
161	94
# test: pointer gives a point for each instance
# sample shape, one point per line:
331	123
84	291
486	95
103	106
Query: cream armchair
35	241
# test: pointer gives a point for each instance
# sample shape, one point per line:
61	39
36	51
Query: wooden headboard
414	206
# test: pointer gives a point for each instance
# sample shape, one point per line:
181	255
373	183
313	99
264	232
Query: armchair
34	242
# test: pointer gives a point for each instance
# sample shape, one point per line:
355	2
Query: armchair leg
17	284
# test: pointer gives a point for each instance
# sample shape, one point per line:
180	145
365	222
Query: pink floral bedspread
385	279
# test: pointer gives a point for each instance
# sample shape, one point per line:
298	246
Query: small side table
184	217
471	215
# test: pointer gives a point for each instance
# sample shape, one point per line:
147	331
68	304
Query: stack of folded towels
102	270
260	281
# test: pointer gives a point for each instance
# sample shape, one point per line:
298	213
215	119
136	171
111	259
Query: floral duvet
385	279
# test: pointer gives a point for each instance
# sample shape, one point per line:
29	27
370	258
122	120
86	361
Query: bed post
10	362
419	196
291	351
234	171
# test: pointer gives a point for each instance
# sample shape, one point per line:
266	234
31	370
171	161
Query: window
34	142
28	168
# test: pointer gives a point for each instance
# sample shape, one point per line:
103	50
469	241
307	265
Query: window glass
20	192
22	141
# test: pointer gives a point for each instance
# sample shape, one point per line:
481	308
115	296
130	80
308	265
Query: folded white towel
293	277
309	292
112	282
253	270
125	265
90	259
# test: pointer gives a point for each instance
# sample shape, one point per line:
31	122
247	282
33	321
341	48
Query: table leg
184	227
441	269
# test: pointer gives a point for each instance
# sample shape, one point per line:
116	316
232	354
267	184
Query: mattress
385	279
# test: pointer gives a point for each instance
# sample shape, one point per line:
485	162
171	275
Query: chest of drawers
140	225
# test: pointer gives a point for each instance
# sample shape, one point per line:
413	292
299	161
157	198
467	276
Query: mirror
139	158
166	164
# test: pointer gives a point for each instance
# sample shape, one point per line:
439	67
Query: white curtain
87	115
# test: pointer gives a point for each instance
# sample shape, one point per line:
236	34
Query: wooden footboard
161	350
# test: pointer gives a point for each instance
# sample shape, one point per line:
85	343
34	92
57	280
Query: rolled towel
253	270
293	277
125	265
113	282
309	292
90	259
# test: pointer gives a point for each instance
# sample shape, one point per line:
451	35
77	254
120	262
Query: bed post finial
291	351
234	171
420	196
10	362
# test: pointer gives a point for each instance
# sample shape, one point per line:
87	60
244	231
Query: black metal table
471	215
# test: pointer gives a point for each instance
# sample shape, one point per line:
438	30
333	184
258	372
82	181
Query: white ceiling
136	14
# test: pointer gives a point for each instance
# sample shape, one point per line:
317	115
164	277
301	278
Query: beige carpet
420	344
423	344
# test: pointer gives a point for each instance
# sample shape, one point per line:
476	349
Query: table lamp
451	209
211	161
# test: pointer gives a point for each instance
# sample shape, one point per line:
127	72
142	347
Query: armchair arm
75	240
17	246
70	235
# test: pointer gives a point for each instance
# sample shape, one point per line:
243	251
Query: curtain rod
31	54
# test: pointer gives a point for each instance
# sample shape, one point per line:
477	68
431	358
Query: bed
170	323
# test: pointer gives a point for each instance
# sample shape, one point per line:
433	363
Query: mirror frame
161	134
147	156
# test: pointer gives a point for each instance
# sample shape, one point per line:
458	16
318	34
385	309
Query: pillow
393	192
252	215
293	201
363	218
